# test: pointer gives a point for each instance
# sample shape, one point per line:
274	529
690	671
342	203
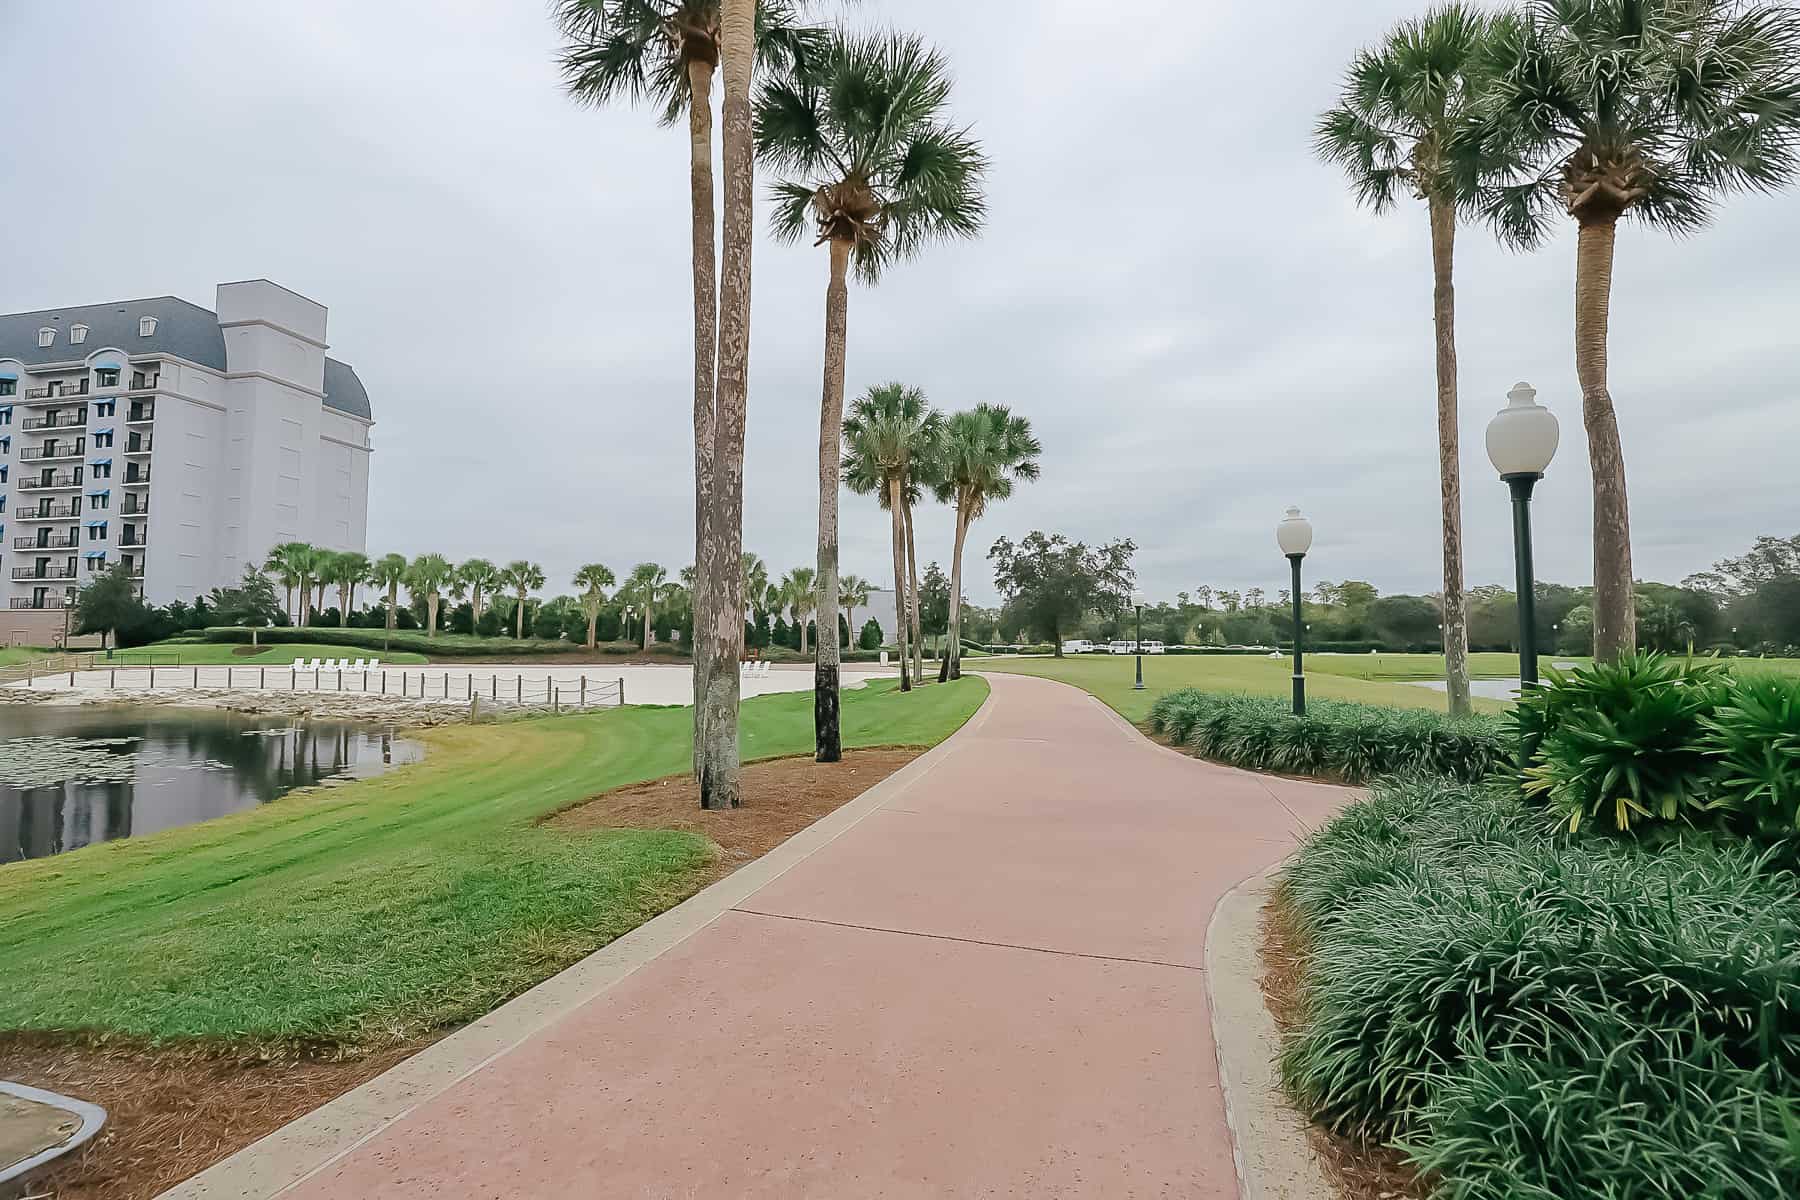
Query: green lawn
9	655
1423	666
1110	678
393	906
271	654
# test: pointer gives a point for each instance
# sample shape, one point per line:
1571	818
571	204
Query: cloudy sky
1200	324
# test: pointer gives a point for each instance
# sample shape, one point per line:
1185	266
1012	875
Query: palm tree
308	560
390	571
981	454
879	172
886	433
1649	109
348	569
286	562
799	588
1403	105
643	588
428	575
853	592
524	578
482	579
593	580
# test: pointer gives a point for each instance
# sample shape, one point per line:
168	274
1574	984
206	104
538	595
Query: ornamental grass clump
1526	1016
1352	742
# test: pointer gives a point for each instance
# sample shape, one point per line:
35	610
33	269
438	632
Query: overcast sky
1200	324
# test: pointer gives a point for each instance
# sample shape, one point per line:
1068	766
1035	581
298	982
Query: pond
71	777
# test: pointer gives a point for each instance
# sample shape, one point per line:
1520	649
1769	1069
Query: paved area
987	980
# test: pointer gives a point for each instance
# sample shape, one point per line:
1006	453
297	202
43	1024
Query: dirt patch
781	797
173	1112
1361	1170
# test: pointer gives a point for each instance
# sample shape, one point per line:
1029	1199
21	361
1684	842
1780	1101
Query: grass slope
271	654
1110	678
392	906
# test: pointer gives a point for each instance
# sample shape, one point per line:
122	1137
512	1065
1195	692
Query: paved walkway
984	978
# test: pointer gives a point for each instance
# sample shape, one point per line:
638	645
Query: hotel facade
180	442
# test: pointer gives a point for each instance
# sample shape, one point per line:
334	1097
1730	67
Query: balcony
67	542
52	451
51	483
137	475
56	512
54	573
135	506
141	382
129	540
138	413
138	443
33	602
58	421
58	390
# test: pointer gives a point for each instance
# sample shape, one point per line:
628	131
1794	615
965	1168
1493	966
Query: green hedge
1529	1018
444	645
1338	739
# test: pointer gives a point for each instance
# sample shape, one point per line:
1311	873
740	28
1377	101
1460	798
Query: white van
1078	646
1122	647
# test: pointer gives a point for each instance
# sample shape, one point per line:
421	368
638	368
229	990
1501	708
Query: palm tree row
1597	110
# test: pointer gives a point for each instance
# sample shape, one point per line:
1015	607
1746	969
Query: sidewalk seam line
968	941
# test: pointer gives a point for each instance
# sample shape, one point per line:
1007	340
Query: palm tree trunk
646	626
1443	315
305	599
290	603
519	619
912	571
896	507
1615	614
593	624
724	535
393	599
344	608
706	334
956	557
827	735
431	607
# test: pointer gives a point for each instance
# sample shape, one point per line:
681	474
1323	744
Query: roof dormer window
146	326
46	337
78	334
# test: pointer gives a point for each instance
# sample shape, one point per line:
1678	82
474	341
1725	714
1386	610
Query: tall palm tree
981	454
348	569
665	53
309	560
756	582
285	562
887	432
593	580
427	576
482	578
1404	103
644	589
799	587
877	172
524	578
1648	109
853	593
390	571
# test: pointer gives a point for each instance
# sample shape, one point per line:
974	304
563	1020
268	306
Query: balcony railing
66	542
34	603
134	475
138	443
143	383
59	421
56	512
134	539
138	509
41	484
42	573
53	451
57	391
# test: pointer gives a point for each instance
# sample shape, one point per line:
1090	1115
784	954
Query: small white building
181	442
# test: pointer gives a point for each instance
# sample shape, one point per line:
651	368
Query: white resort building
181	442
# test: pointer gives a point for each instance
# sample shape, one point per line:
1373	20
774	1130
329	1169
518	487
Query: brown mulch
1361	1170
172	1111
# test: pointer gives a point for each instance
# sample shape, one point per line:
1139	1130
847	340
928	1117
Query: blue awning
106	366
96	524
103	492
9	375
95	554
98	432
103	462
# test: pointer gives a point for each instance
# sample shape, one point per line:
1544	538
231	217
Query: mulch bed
174	1110
1361	1170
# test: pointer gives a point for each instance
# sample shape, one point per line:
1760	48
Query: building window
6	415
146	326
106	376
46	336
106	408
103	440
99	501
9	387
101	470
97	531
78	334
96	562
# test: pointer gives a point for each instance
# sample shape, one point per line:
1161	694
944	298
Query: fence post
556	701
151	686
474	708
293	679
196	678
621	691
262	678
493	687
520	699
112	678
384	683
71	679
365	681
584	691
340	679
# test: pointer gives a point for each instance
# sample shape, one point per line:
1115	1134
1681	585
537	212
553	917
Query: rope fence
492	687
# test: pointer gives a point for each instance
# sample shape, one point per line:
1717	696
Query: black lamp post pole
1139	686
1299	636
1521	486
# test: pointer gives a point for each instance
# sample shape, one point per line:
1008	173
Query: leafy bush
1353	742
1527	1017
1659	743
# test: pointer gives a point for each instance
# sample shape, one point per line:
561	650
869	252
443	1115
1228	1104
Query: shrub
1752	739
1528	1017
1353	742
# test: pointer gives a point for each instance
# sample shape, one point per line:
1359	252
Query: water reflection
71	777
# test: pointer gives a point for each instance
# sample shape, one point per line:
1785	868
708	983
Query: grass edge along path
378	910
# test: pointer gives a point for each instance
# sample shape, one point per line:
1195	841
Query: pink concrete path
992	984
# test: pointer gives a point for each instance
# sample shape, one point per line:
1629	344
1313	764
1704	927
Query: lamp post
68	611
1521	441
1137	602
1294	535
